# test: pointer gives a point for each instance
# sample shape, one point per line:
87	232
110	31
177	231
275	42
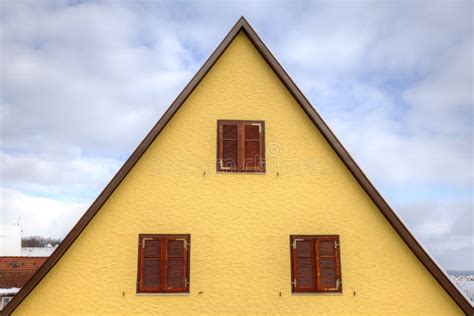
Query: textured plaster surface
239	223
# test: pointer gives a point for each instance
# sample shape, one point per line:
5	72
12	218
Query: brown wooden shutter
327	261
177	252
228	147
163	263
315	263
252	143
304	279
150	276
241	146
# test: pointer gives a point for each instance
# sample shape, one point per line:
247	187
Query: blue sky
82	82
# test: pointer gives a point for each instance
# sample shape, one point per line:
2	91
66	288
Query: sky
82	82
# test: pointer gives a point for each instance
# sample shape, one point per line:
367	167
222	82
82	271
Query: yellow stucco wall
239	224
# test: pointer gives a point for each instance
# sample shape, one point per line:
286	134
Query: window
163	263
240	146
315	264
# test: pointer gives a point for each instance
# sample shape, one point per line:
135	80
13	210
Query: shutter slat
252	131
240	146
229	131
150	265
305	273
230	154
304	248
152	248
327	264
151	273
176	265
228	142
328	274
327	248
303	266
176	277
175	248
252	153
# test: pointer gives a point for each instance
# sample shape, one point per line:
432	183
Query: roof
243	26
16	271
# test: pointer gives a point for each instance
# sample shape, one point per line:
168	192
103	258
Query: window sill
163	294
239	172
317	294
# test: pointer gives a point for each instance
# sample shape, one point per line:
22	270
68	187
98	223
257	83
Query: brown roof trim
243	25
21	257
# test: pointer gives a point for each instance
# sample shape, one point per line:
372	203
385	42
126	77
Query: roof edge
243	25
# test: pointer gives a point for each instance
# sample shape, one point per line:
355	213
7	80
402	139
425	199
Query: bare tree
38	241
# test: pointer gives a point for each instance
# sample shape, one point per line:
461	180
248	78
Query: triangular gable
244	26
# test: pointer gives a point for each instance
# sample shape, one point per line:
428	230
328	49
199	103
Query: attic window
316	264
163	263
240	146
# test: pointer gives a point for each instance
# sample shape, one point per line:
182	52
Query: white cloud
446	230
82	83
68	175
395	83
95	78
443	99
38	215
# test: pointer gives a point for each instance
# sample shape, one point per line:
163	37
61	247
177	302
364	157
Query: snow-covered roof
37	251
9	291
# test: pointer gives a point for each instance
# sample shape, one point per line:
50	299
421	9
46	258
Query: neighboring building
284	222
6	296
17	264
10	240
14	273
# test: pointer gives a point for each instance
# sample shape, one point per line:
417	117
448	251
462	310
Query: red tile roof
16	271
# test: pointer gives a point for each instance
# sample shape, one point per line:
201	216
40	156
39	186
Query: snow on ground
465	283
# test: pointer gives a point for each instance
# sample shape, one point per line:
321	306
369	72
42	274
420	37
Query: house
17	264
10	240
14	273
240	200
